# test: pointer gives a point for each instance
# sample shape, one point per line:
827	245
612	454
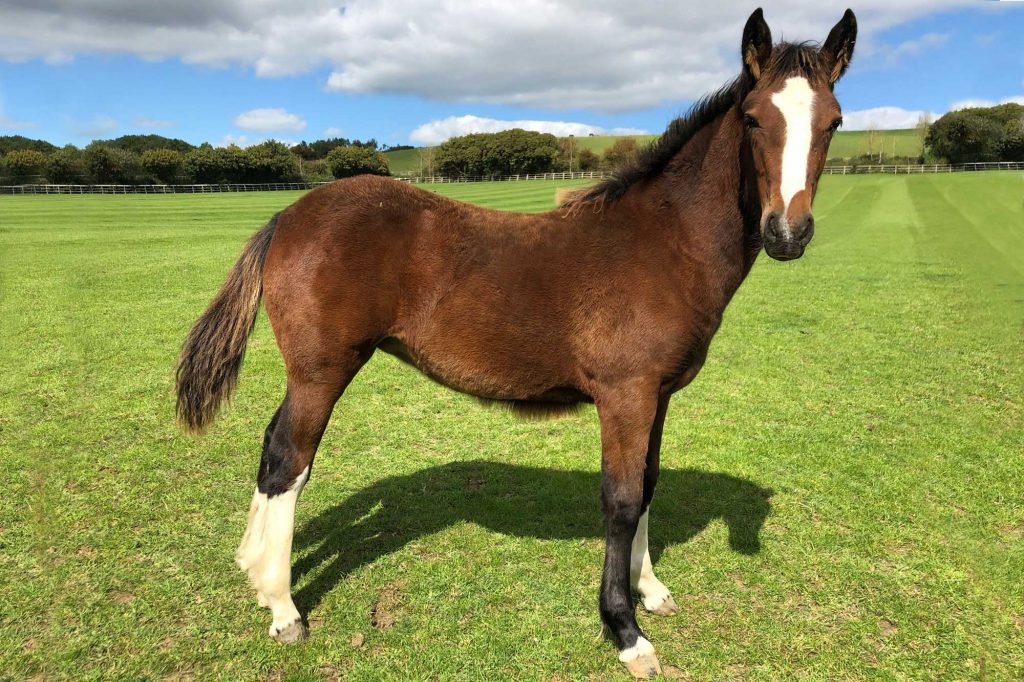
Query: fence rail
584	175
907	169
156	189
578	175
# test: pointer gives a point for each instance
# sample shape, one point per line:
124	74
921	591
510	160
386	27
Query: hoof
295	631
666	607
644	667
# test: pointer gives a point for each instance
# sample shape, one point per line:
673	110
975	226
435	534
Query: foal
610	299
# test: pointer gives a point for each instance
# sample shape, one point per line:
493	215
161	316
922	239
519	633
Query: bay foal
612	299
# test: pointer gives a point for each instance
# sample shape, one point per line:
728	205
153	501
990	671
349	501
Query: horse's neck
712	210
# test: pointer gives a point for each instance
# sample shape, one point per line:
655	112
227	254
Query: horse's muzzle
784	240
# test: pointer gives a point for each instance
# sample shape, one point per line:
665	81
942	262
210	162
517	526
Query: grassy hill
845	145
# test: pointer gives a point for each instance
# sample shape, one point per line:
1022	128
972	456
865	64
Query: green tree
621	151
163	164
9	143
509	152
205	165
587	160
975	134
23	166
143	143
271	161
235	165
345	162
67	166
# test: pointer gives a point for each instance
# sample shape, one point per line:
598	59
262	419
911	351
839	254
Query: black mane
787	59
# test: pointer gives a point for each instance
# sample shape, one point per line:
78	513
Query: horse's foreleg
627	417
655	596
289	445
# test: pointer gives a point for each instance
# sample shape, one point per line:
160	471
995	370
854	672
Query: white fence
578	175
584	175
925	168
156	189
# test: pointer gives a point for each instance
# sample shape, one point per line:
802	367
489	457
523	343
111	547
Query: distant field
842	494
404	161
850	143
846	144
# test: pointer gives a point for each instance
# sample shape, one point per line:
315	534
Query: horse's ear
757	44
837	51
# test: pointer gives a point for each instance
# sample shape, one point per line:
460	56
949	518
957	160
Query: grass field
845	145
843	494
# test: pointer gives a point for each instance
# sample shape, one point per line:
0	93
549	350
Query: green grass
404	161
846	144
851	143
843	495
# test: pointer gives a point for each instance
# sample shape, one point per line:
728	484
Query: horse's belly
491	373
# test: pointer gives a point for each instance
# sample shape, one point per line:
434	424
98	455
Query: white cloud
8	123
246	141
609	56
269	120
970	103
437	131
884	118
895	118
912	48
152	123
333	131
98	126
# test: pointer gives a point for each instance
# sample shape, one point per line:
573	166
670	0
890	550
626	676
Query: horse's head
790	113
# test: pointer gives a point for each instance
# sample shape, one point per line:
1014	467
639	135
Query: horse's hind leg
289	445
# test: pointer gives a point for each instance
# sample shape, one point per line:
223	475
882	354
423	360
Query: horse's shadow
514	500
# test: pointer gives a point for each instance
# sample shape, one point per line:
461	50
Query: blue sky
214	73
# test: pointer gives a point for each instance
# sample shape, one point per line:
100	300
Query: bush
345	162
163	164
111	165
270	161
510	152
67	167
315	170
620	152
23	166
587	160
1011	148
204	165
977	134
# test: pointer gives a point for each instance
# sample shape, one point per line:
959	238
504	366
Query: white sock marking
795	101
642	648
641	571
266	551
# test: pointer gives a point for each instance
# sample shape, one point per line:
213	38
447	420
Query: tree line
974	134
154	159
979	134
518	152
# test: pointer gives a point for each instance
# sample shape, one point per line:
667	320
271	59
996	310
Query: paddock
842	494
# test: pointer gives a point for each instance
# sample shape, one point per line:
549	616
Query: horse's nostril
806	229
773	228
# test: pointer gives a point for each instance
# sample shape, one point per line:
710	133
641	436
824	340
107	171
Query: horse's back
466	294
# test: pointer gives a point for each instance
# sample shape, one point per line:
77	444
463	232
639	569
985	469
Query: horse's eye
750	121
835	124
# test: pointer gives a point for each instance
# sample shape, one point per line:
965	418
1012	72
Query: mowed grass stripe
866	398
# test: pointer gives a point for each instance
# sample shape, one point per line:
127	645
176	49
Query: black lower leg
616	603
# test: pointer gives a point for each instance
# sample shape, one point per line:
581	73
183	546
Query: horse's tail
213	350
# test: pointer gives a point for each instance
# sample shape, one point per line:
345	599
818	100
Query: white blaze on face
795	100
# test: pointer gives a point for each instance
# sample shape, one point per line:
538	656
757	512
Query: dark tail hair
212	353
